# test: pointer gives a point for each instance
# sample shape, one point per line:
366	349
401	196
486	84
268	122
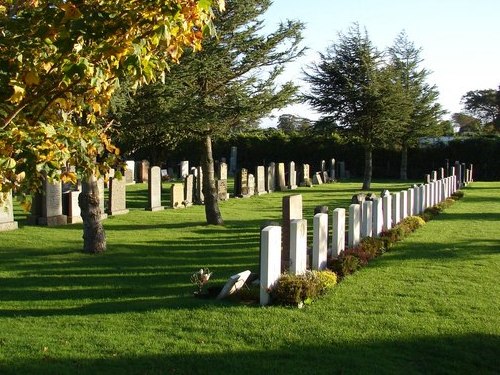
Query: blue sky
460	39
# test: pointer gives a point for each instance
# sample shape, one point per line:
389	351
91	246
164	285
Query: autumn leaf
31	78
67	177
18	94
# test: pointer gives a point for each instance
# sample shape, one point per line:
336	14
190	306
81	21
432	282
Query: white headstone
270	262
154	189
234	284
410	203
387	209
280	169
292	176
367	219
177	196
395	209
320	241
353	236
403	204
117	204
184	168
338	231
7	213
378	217
260	181
298	246
74	211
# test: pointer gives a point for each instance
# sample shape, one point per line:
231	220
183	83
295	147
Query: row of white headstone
368	219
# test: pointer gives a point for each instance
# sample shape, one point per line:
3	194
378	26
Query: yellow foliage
31	78
69	177
18	94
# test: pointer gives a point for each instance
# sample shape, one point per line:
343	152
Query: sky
460	39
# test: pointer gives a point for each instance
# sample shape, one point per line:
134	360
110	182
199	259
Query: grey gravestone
251	186
292	176
117	204
154	189
385	193
332	169
358	198
271	178
234	284
183	169
74	212
326	177
222	190
131	168
291	209
7	213
305	178
177	196
280	176
260	181
317	179
222	171
233	159
199	197
51	214
143	171
342	173
323	166
102	206
188	190
171	172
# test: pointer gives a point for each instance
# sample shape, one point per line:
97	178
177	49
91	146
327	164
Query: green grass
428	306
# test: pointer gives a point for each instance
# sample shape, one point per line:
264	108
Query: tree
227	86
467	124
291	123
60	62
419	112
353	92
485	106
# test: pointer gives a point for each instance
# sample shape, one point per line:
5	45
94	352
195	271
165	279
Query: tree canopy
60	62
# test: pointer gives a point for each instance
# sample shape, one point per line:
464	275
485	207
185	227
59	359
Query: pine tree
420	113
229	85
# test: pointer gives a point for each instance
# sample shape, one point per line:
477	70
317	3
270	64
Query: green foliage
457	195
412	223
345	264
293	290
373	246
484	105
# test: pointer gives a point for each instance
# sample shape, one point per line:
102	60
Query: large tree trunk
94	238
403	175
367	178
212	211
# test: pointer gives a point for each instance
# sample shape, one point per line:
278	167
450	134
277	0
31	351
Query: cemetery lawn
431	305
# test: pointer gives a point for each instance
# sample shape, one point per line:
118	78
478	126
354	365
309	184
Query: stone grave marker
7	213
280	171
320	241
342	170
184	169
411	202
233	161
251	186
317	179
378	217
234	284
387	211
403	204
291	209
260	187
143	171
332	169
292	176
298	246
117	204
367	219
188	190
177	196
270	270
305	176
271	178
222	190
51	214
353	236
199	197
241	183
338	231
74	211
131	167
222	171
154	189
396	210
102	203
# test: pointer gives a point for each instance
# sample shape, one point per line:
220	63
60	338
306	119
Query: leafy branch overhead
61	61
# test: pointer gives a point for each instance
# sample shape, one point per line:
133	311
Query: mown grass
428	306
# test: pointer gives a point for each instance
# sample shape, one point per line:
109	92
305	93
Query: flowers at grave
200	278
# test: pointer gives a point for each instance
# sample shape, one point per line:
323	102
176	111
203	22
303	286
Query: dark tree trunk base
212	211
94	237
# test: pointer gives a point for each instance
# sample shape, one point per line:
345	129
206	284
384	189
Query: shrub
459	194
412	223
293	290
373	246
345	264
426	216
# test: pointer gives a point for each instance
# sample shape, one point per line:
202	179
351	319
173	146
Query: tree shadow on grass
440	354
